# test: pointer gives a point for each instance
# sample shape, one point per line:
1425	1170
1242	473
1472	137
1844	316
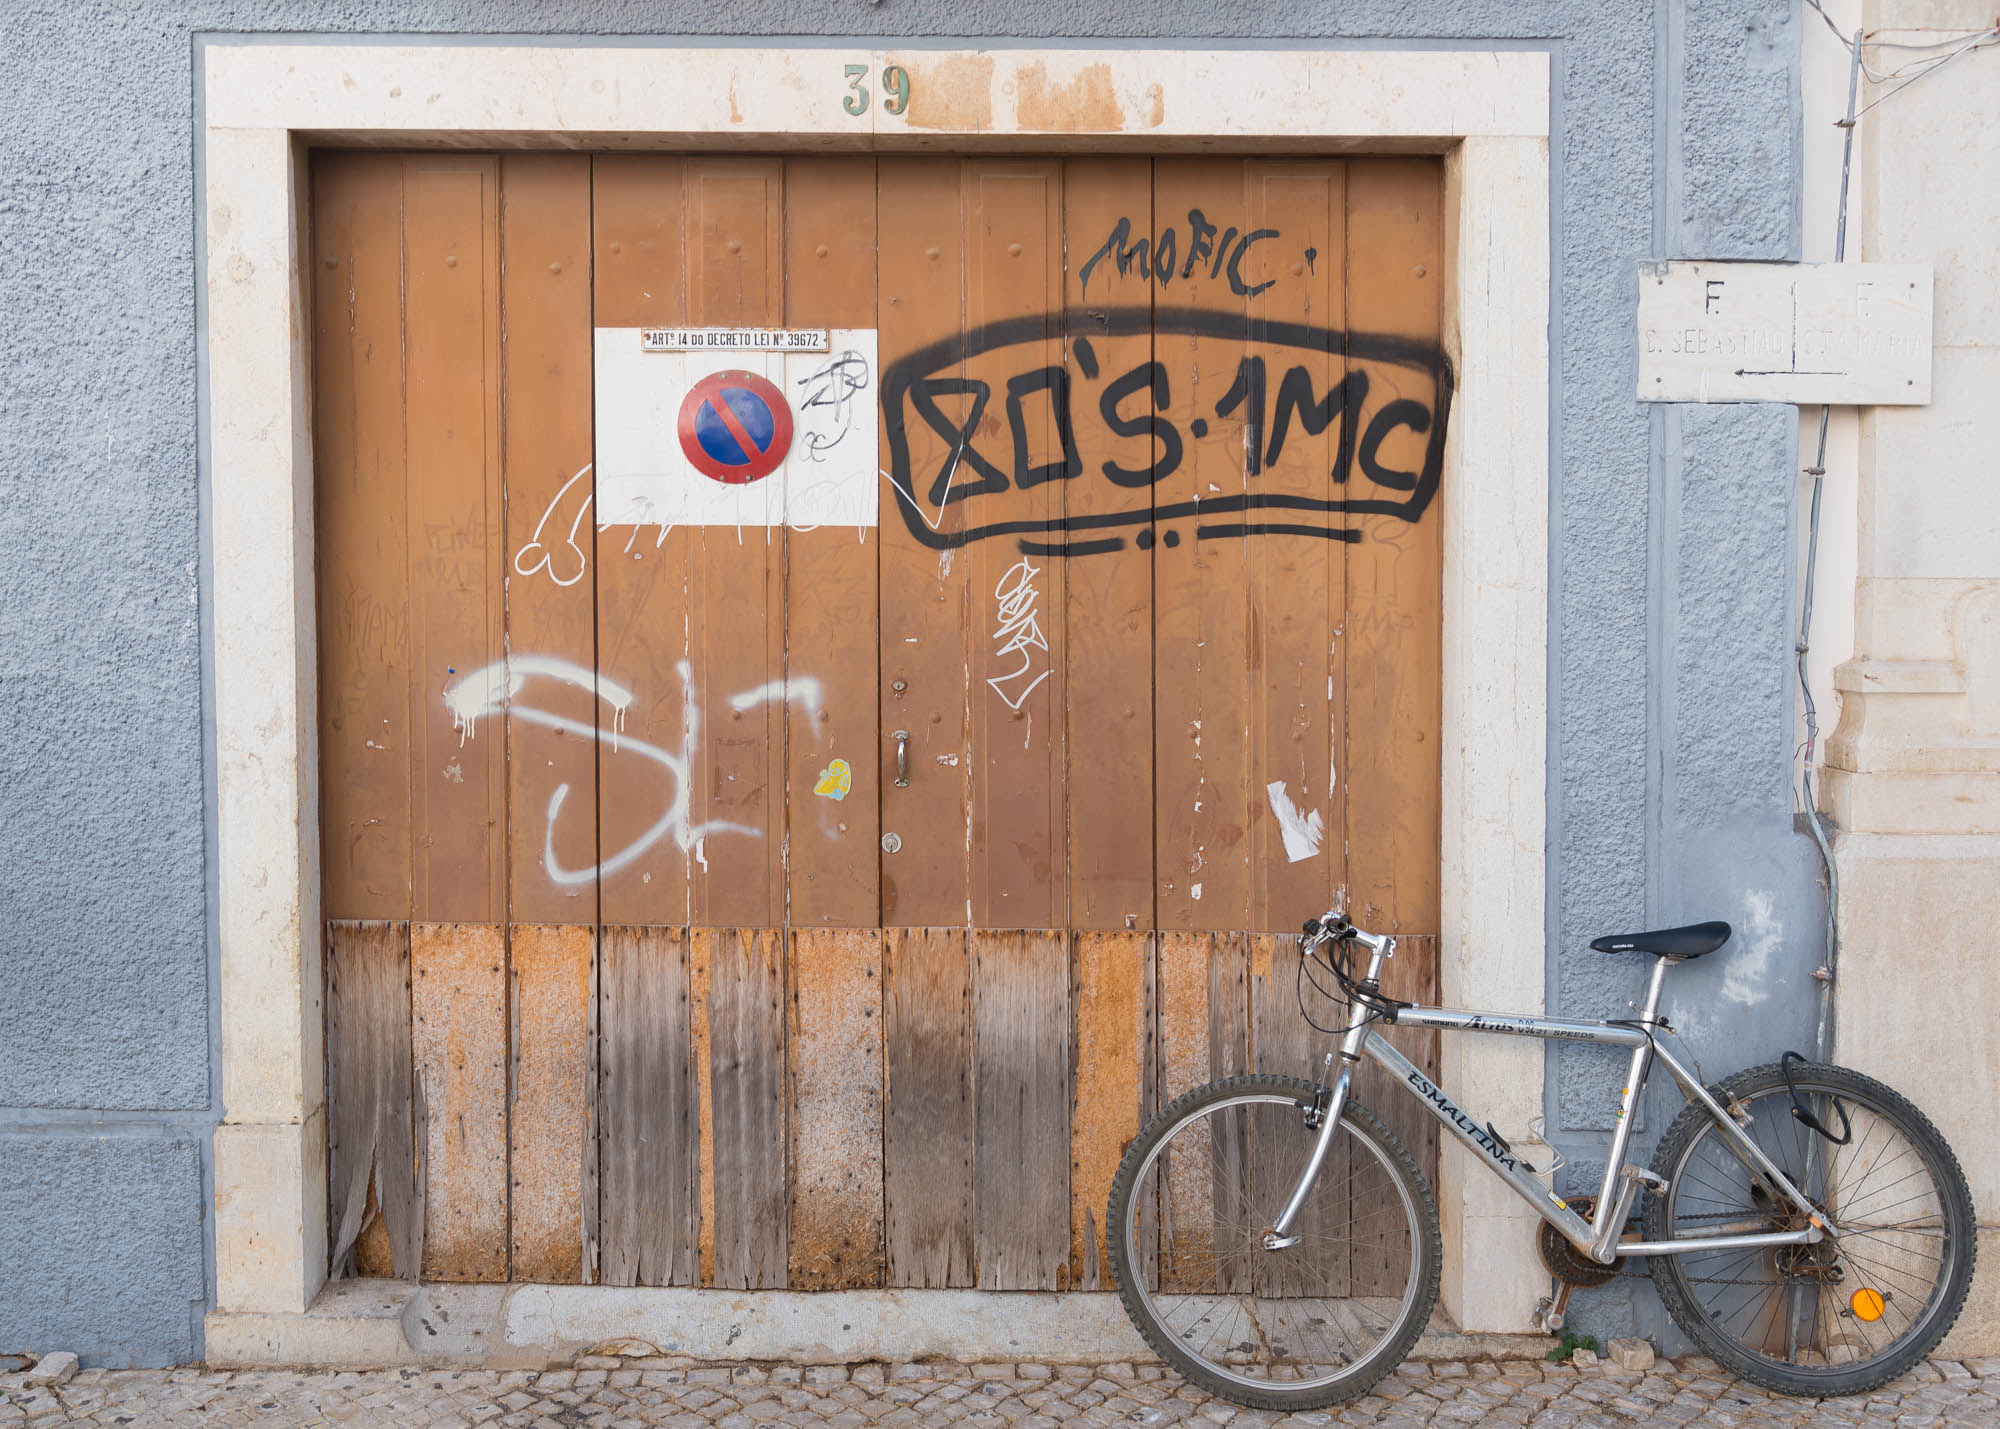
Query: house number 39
895	83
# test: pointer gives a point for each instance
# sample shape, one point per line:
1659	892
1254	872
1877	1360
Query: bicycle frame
1598	1236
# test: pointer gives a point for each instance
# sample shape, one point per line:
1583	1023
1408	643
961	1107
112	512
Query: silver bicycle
1806	1226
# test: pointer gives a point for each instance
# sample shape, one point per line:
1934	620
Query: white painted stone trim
264	102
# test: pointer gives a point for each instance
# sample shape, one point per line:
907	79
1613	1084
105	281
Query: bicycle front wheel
1311	1324
1854	1310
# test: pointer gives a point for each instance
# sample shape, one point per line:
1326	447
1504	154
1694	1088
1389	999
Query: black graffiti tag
1154	257
1282	386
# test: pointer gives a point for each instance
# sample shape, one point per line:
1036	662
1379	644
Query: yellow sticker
835	781
1867	1304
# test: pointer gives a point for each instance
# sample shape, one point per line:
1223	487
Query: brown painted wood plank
452	357
926	600
746	1047
1203	778
375	1206
1108	610
360	535
1394	574
1296	581
735	278
1015	646
551	589
1021	1123
835	1239
459	997
927	1137
1112	1003
553	1145
639	278
832	611
646	1098
1394	625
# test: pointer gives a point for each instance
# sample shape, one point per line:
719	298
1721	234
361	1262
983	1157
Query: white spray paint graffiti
804	689
1747	974
1302	832
535	556
494	690
1019	631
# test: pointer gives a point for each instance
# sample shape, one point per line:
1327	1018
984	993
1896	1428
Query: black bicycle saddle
1678	943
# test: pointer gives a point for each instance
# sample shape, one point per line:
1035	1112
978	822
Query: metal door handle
902	738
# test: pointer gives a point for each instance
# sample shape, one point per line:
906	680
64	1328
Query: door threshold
383	1324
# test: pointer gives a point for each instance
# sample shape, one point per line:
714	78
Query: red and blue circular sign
735	427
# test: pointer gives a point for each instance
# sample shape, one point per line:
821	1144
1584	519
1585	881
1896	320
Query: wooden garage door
812	877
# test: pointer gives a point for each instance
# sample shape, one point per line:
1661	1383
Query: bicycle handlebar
1336	927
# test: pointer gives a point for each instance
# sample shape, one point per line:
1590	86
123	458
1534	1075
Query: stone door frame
265	101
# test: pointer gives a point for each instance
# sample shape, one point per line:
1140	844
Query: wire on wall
1930	57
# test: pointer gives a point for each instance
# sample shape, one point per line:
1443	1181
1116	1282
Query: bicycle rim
1300	1321
1839	1307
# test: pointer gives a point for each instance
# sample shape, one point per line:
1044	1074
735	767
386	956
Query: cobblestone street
615	1394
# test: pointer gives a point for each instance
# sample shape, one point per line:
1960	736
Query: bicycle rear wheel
1299	1328
1850	1312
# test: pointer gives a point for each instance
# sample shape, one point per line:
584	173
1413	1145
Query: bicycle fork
1328	1105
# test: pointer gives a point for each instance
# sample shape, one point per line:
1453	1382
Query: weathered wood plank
925	595
639	279
927	1139
1203	787
553	1104
1229	1056
832	605
361	536
702	951
1016	649
746	1048
1108	608
1112	976
375	1212
457	600
1296	582
646	1097
551	588
459	995
1183	1185
736	627
1021	1123
1285	1044
1394	632
835	1240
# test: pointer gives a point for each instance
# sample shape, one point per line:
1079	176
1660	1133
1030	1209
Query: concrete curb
382	1324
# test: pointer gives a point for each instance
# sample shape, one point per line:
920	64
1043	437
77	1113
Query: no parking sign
735	427
741	427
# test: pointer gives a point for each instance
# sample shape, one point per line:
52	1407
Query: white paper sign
1856	334
830	472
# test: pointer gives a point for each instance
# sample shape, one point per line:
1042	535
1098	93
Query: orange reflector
1867	1304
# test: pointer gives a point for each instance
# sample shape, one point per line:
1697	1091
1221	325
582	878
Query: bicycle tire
1423	1254
1836	1363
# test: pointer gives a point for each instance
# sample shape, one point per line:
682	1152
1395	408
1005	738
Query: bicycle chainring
1568	1264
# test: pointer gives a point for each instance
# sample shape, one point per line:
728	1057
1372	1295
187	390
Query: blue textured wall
1676	135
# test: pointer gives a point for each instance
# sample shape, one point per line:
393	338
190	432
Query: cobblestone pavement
617	1394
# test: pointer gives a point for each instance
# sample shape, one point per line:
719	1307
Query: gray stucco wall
1677	134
